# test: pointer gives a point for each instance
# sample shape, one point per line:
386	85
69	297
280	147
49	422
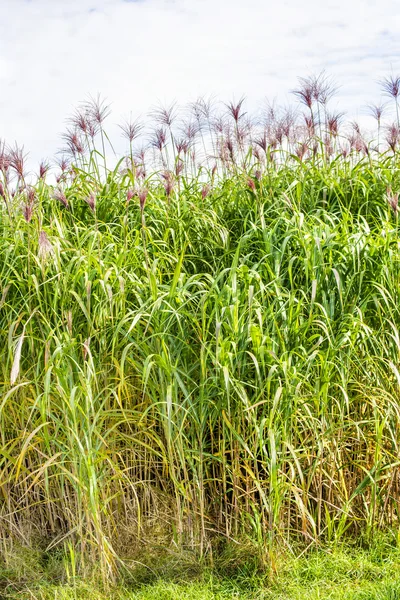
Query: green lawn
346	573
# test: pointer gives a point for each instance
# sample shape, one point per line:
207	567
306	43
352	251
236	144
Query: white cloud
54	53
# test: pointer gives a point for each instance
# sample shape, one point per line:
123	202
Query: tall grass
202	353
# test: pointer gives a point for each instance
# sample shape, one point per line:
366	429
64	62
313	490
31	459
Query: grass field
200	351
341	573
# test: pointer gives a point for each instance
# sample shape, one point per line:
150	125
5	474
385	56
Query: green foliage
212	367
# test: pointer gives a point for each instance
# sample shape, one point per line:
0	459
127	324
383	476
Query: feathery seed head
205	190
45	246
75	144
17	160
377	111
130	194
30	196
235	110
44	168
91	201
393	199
142	194
59	195
180	165
165	115
251	184
392	136
97	109
391	86
168	182
333	122
131	130
159	138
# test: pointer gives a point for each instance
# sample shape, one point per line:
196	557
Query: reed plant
200	340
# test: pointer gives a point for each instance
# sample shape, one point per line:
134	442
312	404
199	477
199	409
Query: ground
344	573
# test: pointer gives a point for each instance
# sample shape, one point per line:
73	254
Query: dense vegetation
193	355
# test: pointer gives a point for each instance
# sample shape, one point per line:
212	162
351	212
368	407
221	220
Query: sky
137	53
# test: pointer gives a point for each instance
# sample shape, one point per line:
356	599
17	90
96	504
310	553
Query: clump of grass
206	355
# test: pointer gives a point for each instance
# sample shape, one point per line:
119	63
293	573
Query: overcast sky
54	53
